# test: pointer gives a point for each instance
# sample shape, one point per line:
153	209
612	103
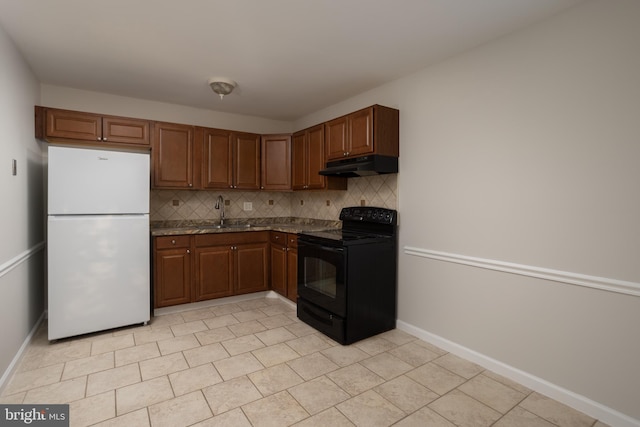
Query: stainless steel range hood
374	164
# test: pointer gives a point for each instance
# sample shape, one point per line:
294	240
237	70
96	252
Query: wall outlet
270	202
248	206
363	202
328	202
175	202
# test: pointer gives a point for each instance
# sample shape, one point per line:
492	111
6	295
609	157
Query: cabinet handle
188	251
190	185
104	139
99	139
173	242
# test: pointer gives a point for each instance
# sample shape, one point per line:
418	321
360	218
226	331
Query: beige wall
522	156
22	213
525	151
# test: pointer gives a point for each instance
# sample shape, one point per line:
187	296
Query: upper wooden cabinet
73	126
230	160
173	156
276	162
246	160
217	158
372	130
308	147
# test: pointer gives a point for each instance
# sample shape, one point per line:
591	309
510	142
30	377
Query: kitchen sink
218	226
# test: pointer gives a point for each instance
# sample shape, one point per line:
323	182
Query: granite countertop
233	225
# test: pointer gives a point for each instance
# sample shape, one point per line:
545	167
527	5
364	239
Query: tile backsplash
377	190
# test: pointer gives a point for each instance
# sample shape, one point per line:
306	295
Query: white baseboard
562	395
16	359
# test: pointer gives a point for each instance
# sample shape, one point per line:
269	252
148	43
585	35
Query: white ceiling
289	57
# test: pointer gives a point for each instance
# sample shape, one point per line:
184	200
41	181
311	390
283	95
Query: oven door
321	274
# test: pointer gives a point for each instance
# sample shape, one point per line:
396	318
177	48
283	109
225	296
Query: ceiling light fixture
222	86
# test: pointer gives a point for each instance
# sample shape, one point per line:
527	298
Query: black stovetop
360	225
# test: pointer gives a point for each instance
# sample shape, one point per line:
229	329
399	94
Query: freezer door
98	273
95	181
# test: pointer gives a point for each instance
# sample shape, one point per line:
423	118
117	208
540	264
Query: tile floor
253	363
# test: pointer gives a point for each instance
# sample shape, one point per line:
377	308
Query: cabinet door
172	279
336	138
279	268
246	161
360	132
299	161
292	268
217	164
214	272
124	130
172	156
251	267
315	158
276	162
73	125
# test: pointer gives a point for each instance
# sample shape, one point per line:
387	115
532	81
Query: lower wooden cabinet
172	270
284	264
190	268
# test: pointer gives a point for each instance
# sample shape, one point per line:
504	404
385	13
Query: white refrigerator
97	240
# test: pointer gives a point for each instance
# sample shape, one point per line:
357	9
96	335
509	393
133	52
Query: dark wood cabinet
251	267
55	125
172	270
230	160
217	159
284	264
190	268
276	162
246	161
372	130
336	138
279	262
173	156
232	263
292	267
308	148
214	272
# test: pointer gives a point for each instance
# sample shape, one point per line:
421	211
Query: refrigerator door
98	273
95	181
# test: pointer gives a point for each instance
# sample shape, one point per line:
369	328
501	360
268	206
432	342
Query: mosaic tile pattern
252	363
378	190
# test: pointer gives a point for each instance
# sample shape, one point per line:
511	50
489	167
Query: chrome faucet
220	205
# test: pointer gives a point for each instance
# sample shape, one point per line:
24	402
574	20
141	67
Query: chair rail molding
20	258
602	283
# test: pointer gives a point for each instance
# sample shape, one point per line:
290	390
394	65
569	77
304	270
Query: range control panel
369	214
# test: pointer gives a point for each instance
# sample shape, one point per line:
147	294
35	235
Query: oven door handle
316	245
331	249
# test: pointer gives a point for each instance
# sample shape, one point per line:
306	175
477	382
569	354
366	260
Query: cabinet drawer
167	242
232	238
279	238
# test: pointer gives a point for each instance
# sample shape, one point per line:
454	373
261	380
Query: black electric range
347	278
